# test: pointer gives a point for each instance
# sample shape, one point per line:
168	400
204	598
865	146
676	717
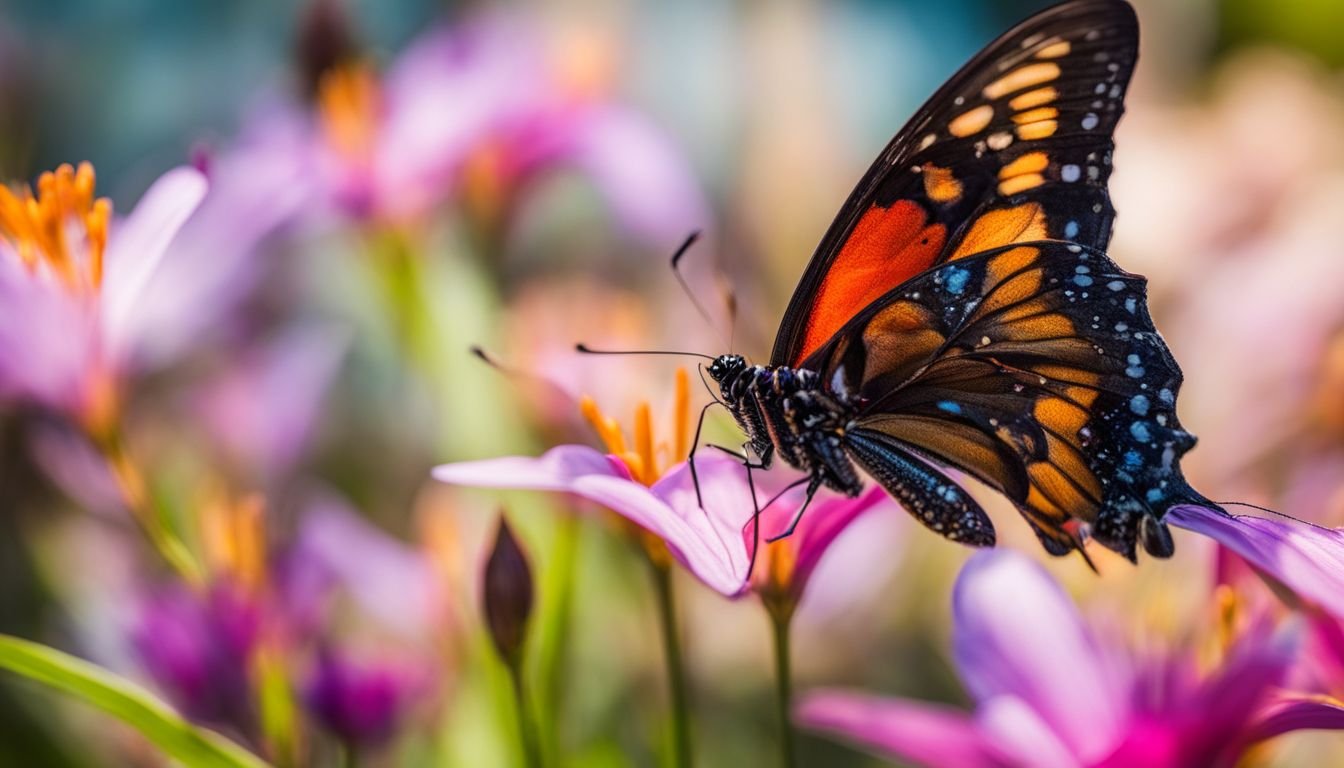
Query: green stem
676	671
555	641
136	496
527	731
780	622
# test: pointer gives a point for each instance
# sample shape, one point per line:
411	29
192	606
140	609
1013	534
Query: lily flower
1051	692
71	278
648	484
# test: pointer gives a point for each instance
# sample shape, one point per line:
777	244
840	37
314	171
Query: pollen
644	455
62	229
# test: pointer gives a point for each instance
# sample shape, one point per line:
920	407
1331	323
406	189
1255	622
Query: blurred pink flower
72	281
263	409
714	543
1051	692
471	113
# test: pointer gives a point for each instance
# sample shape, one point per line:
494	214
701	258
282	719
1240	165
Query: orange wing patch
1003	226
886	247
941	185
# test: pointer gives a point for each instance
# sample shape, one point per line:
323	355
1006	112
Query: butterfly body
786	412
962	312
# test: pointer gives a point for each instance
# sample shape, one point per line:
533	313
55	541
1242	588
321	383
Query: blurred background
335	373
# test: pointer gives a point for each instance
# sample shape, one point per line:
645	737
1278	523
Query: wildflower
647	482
71	278
360	701
1050	691
470	114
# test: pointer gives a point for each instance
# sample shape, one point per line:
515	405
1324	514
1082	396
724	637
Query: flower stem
527	730
780	621
136	496
676	671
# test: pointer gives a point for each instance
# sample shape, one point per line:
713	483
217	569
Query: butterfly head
725	368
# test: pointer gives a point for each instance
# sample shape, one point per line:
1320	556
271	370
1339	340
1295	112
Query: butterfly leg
812	485
695	445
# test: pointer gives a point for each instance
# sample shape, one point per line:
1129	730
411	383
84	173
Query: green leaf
125	701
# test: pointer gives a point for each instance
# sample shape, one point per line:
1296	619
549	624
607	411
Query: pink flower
714	543
474	112
71	282
1051	692
1306	559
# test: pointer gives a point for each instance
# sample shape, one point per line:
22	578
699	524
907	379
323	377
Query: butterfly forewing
1036	368
1016	147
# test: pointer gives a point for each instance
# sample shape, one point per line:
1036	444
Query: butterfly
961	312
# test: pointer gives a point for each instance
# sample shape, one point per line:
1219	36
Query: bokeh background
755	118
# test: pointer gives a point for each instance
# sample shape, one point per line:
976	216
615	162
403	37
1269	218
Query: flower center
646	458
348	102
61	230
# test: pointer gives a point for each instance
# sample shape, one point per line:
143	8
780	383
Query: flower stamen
62	229
347	103
641	454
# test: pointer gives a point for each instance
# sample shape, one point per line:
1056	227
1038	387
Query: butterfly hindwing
1035	368
1016	146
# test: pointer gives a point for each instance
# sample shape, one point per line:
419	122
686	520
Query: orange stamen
681	416
606	427
347	103
644	442
63	228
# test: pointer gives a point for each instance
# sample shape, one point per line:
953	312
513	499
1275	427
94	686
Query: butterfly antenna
587	350
686	287
1272	512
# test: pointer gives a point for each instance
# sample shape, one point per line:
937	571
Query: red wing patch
886	247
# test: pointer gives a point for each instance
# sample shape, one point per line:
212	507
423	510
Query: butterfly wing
1016	146
1034	367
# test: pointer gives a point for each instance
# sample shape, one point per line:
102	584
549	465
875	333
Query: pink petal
1308	559
708	542
925	734
137	244
264	409
48	340
1017	735
1017	634
555	470
638	169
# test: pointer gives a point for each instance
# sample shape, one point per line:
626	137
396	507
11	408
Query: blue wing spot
1140	431
1139	405
1133	460
955	279
949	406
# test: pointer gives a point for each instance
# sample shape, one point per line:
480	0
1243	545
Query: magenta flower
198	648
1051	692
362	702
713	543
71	282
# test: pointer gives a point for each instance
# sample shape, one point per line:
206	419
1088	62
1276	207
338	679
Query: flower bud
508	595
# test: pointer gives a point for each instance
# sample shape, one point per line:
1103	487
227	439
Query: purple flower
198	648
361	702
1051	692
470	114
69	303
1307	559
714	543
